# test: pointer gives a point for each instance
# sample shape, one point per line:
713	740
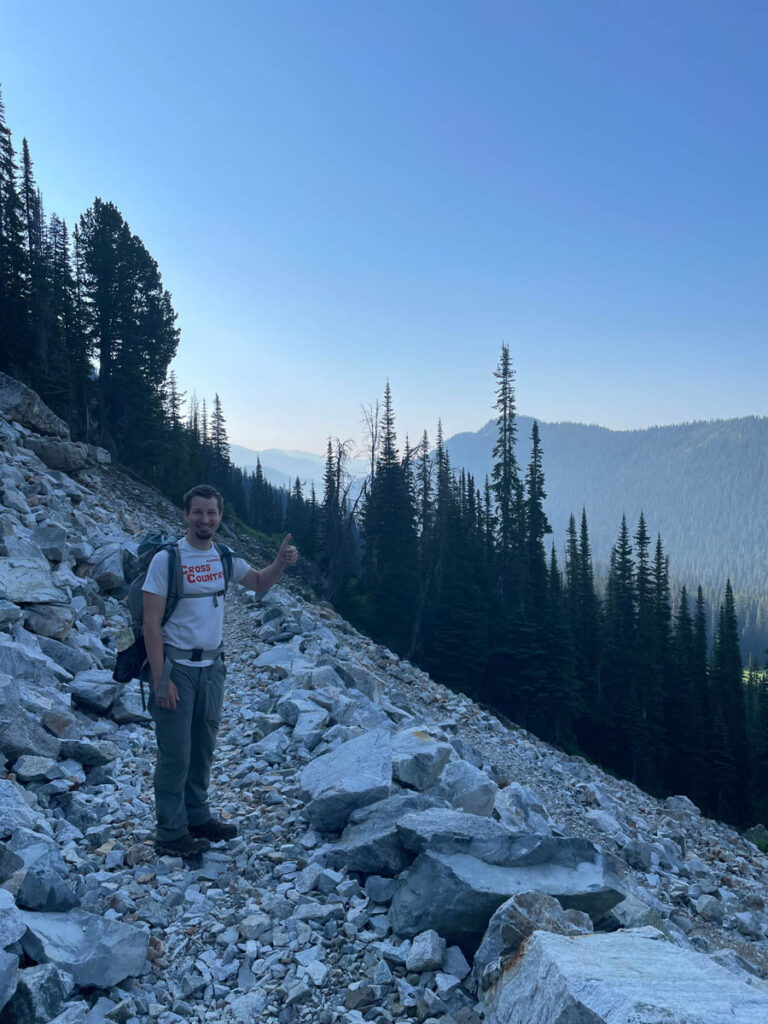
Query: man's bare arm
261	580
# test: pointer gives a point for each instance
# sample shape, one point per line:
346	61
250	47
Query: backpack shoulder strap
226	556
175	581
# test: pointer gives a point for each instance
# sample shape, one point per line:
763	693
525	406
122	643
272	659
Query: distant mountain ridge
703	486
282	467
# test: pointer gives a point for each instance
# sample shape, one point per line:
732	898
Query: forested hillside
703	486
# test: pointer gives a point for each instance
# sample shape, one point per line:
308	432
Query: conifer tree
15	328
621	710
389	527
730	791
506	486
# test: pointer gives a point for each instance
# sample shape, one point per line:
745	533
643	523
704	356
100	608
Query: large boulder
39	995
20	403
371	842
464	891
25	573
521	810
12	925
28	665
68	456
107	563
20	732
285	659
15	812
96	951
52	541
514	922
418	756
466	787
8	975
619	978
361	679
72	659
94	690
50	620
354	775
44	889
443	829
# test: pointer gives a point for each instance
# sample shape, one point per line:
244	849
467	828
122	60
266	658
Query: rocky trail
403	855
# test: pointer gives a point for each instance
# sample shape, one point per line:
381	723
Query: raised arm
262	579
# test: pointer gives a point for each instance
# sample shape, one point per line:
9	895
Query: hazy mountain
703	486
281	468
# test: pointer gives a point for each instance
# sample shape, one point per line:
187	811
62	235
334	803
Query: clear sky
342	192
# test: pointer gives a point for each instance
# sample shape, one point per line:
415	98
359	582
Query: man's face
203	518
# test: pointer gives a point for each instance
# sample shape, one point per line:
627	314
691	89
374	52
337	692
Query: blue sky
338	193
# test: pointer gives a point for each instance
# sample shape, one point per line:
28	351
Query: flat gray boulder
20	403
90	753
371	842
445	830
68	456
94	690
620	978
26	573
108	565
15	812
8	974
418	756
356	774
44	889
50	620
285	659
466	787
73	659
464	891
39	995
12	925
52	541
96	951
20	732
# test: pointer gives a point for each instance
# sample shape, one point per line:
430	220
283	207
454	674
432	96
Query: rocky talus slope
403	854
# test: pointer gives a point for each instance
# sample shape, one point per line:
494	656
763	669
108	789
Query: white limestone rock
619	978
520	809
8	976
466	787
50	620
12	925
20	403
96	951
418	756
354	775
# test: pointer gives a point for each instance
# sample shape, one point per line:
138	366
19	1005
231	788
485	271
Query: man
187	667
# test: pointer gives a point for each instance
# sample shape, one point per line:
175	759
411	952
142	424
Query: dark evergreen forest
460	575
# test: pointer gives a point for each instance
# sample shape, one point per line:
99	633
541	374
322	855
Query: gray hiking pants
186	738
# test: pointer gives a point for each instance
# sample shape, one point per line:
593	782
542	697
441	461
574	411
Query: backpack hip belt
172	654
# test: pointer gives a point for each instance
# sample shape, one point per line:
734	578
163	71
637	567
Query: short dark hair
203	491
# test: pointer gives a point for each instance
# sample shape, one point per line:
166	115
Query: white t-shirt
198	622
